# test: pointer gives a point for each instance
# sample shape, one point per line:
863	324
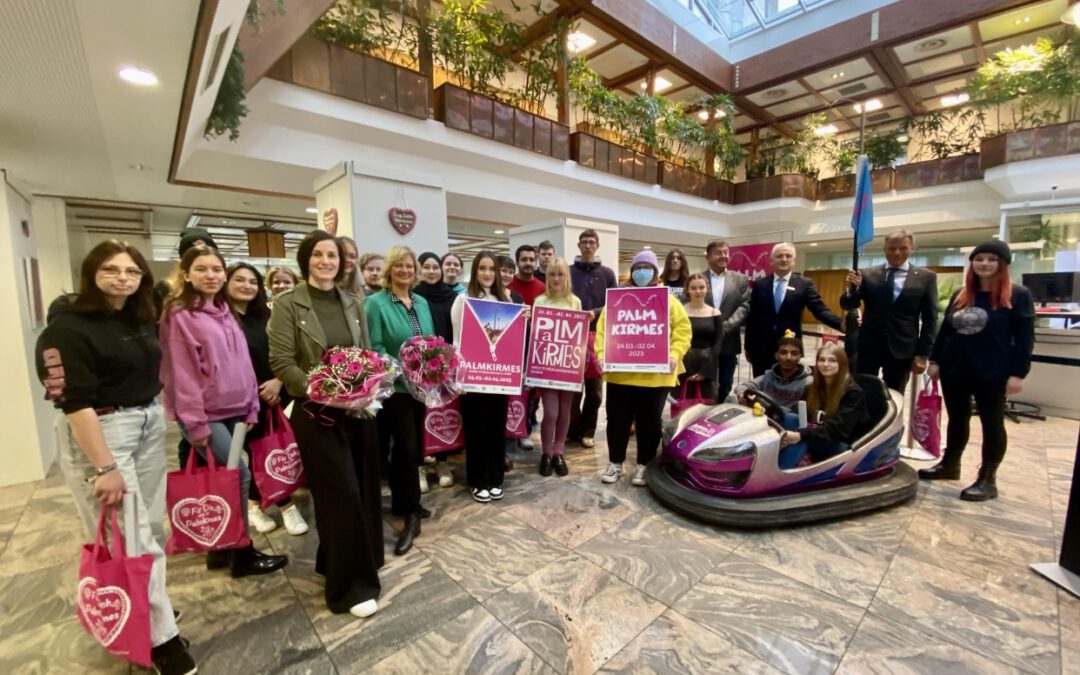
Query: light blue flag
862	218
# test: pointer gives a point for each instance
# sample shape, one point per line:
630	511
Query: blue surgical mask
642	276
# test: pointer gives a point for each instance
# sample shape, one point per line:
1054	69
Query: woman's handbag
113	599
517	411
442	428
926	418
592	364
275	460
204	506
687	400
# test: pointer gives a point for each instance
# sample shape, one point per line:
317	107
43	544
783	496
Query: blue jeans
792	455
221	433
136	439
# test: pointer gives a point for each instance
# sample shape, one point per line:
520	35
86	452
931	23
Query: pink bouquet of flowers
354	379
429	366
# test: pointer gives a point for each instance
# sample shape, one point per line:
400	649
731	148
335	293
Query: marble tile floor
568	575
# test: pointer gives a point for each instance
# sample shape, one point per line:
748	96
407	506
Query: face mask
642	276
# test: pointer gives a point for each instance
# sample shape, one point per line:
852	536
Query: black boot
947	469
985	486
247	561
216	560
545	465
410	532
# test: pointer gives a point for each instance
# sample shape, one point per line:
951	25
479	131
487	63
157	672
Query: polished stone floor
572	576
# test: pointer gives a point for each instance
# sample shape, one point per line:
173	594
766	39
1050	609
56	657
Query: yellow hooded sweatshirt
680	329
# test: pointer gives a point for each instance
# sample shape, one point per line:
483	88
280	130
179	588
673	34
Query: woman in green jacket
395	315
339	451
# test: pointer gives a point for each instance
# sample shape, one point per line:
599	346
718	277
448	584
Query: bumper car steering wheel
772	409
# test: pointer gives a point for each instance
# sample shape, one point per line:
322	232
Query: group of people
222	355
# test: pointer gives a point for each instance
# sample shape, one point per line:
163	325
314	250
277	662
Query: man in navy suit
900	306
729	293
776	305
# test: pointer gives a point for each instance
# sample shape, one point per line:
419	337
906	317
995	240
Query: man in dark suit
900	305
728	292
776	305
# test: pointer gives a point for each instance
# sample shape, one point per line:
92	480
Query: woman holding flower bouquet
339	450
483	415
394	315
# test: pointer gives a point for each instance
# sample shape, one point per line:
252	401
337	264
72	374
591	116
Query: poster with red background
751	260
637	334
557	348
492	347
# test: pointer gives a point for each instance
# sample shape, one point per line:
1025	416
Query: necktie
778	294
890	283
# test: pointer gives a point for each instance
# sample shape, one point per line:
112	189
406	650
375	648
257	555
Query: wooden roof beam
276	34
888	69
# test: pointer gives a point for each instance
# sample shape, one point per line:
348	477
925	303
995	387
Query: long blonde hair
560	265
826	396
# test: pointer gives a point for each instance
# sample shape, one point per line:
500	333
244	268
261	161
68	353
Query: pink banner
557	348
752	260
492	347
636	331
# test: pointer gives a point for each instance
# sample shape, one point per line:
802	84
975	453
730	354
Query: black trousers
643	406
341	462
725	375
760	363
484	418
990	400
403	415
895	372
585	409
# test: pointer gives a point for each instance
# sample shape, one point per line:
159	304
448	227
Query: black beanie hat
428	255
995	246
193	235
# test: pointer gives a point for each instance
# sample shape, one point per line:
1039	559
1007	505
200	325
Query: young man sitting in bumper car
786	381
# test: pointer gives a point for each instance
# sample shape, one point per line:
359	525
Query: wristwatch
99	472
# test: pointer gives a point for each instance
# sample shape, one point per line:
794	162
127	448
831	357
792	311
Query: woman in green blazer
338	450
395	315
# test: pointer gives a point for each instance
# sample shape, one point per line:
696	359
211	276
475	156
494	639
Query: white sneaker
364	609
446	477
611	473
588	442
294	521
430	459
259	520
639	476
481	495
526	444
496	493
424	487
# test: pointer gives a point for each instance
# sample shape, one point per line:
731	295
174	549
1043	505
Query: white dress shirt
716	281
899	277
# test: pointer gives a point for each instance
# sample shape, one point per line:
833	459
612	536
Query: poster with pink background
637	333
557	348
492	347
752	260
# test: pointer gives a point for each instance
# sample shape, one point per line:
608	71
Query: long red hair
1000	288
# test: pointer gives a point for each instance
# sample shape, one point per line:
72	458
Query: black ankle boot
248	561
216	560
947	469
410	532
985	486
545	465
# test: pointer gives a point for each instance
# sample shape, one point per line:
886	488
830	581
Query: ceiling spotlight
647	247
951	248
1023	20
954	99
826	130
813	243
903	138
500	231
871	105
837	75
138	166
138	76
311	209
578	41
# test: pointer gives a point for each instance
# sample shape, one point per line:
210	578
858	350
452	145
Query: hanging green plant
229	108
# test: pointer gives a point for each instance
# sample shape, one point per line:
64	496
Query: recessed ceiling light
500	231
931	45
659	84
951	248
647	247
871	105
826	130
1022	20
311	209
773	94
578	41
837	75
139	76
138	166
954	99
813	243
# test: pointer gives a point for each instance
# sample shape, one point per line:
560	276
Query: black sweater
987	344
97	359
850	421
258	343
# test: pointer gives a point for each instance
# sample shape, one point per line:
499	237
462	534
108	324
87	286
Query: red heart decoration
104	609
329	219
445	425
285	465
514	414
403	220
202	519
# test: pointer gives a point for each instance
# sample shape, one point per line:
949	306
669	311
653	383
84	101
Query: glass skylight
737	18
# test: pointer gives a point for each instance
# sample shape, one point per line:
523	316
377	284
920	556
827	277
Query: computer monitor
1054	286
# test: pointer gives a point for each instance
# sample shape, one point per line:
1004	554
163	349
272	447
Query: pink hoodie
206	369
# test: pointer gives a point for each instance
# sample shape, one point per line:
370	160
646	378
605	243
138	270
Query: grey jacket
785	392
734	307
297	341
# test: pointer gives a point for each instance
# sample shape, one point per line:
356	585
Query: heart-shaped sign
515	412
284	465
403	220
202	519
920	424
445	425
104	609
329	220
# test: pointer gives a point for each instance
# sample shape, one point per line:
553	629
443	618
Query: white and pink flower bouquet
429	369
355	379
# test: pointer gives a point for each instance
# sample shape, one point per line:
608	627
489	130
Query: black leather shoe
248	561
560	466
545	465
984	488
408	533
940	472
216	560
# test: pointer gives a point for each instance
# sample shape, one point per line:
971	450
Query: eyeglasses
113	272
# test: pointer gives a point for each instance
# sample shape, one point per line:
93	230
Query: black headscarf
440	298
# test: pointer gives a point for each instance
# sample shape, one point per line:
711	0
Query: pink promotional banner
637	333
492	347
752	260
557	348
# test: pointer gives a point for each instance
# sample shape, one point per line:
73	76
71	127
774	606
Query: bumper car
719	464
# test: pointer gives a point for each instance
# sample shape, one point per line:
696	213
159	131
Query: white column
59	272
563	233
25	416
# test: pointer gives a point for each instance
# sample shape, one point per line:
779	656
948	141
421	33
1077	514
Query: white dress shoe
364	609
